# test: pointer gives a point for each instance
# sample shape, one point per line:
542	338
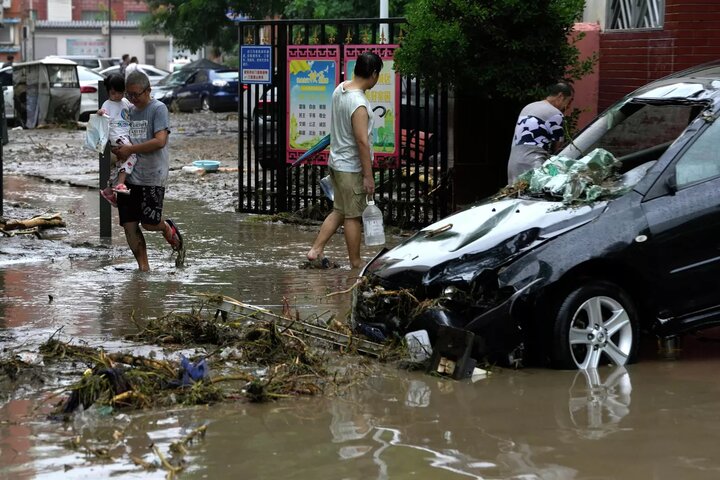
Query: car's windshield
613	153
634	127
176	78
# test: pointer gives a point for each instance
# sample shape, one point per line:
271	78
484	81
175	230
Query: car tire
205	104
594	324
174	107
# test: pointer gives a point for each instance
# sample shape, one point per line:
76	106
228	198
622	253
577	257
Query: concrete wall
631	58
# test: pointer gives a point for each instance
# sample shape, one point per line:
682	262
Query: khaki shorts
349	193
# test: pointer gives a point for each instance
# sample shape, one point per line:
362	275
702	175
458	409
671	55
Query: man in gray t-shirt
143	205
539	131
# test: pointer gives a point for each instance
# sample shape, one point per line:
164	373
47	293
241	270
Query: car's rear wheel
594	324
205	104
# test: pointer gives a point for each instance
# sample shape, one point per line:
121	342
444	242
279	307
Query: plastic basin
208	165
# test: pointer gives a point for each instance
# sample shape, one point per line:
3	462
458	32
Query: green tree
341	8
194	24
497	55
507	48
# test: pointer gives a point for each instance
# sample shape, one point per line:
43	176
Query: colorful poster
385	99
313	73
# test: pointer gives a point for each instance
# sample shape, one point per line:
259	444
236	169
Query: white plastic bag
98	130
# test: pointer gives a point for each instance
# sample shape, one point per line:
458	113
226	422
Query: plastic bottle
373	224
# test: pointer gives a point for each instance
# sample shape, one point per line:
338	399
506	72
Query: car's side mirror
671	183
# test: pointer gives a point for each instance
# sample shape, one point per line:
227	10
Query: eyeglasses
131	96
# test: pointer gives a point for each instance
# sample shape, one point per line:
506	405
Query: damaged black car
618	234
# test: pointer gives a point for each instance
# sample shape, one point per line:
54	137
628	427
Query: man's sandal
177	243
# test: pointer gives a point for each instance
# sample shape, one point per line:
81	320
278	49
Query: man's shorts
143	204
349	193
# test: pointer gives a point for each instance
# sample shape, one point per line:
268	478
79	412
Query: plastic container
326	186
373	225
207	165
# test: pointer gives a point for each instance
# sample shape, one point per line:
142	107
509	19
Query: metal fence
415	193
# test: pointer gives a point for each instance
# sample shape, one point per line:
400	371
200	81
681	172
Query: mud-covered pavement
657	419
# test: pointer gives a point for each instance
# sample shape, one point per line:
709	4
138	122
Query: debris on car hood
586	179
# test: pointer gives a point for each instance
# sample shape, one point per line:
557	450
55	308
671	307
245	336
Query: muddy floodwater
658	419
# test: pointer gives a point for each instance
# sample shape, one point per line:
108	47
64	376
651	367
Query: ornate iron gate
416	193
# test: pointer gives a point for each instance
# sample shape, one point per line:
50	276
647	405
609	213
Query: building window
629	14
136	16
93	15
6	34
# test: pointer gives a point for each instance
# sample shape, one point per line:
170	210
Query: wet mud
656	419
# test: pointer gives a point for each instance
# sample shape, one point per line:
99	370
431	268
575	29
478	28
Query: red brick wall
119	7
629	59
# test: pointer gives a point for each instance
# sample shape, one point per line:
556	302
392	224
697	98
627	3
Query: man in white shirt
351	158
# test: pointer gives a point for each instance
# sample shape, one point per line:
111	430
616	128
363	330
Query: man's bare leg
136	242
330	225
352	239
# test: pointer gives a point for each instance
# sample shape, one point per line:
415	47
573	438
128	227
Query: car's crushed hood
483	236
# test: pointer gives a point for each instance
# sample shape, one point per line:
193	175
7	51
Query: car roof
46	61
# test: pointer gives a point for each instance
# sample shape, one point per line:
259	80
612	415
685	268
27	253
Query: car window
86	75
62	76
702	160
635	127
228	75
201	77
6	79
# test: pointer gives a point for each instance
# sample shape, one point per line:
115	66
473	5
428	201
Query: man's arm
156	143
360	132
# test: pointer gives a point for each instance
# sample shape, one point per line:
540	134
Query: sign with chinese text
89	46
385	100
313	73
256	64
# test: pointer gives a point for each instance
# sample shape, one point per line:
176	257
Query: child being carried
117	108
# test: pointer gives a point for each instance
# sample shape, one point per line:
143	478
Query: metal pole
383	37
105	213
109	28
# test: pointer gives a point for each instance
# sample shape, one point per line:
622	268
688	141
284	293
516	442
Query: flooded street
656	419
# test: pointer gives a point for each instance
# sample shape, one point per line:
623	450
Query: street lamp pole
109	28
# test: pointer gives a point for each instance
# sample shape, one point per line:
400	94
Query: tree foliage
501	48
194	24
341	8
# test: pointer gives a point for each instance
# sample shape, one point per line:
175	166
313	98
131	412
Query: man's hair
367	64
114	81
125	56
561	87
134	60
137	78
11	57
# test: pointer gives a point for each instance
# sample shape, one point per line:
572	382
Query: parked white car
154	73
88	91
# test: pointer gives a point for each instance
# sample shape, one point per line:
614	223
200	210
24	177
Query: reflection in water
596	407
595	403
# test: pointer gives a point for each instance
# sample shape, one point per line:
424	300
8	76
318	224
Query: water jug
373	224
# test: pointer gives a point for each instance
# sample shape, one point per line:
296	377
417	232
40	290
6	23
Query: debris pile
588	179
32	226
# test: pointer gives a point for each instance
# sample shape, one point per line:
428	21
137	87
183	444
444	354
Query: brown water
657	419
